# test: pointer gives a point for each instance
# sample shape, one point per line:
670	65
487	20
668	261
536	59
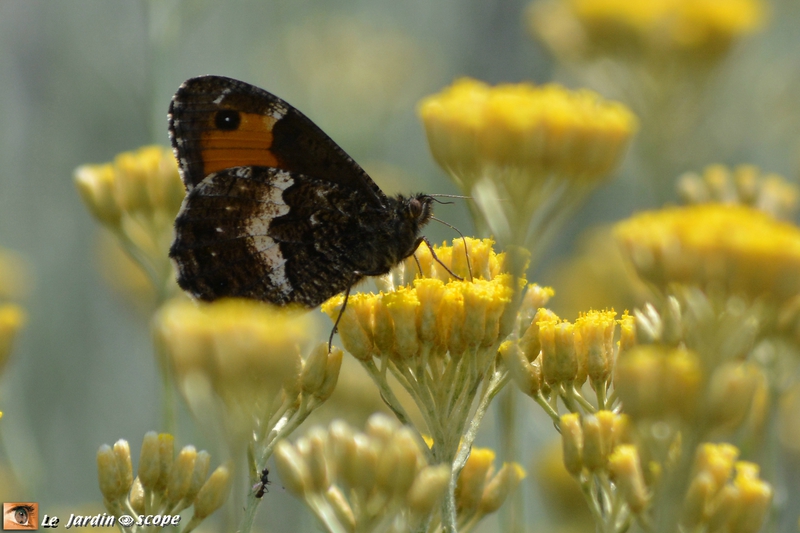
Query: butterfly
274	209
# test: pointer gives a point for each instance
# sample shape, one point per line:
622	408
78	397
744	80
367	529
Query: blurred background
84	80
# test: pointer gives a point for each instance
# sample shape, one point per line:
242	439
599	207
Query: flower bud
498	489
292	469
626	470
428	488
527	375
213	493
471	480
572	443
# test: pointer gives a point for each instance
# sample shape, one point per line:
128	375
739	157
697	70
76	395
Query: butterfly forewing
217	123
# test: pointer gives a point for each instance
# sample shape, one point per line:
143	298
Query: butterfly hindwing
217	123
260	232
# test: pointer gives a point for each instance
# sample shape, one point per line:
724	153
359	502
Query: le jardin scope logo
19	515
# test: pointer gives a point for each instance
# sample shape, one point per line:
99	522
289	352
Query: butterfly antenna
441	202
338	318
466	250
450	196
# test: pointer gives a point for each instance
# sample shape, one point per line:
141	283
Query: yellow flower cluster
725	494
165	484
430	318
144	183
655	383
248	354
525	152
439	340
363	481
556	356
744	185
473	128
733	249
137	197
632	26
603	446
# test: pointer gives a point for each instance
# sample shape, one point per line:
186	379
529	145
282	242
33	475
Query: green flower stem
544	404
575	394
600	392
496	384
286	425
391	401
587	487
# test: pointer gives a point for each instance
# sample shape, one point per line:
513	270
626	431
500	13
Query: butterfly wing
264	233
217	123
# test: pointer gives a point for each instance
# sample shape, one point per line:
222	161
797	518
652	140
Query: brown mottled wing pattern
274	209
264	233
269	132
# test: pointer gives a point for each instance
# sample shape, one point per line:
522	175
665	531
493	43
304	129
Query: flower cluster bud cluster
721	495
247	354
543	130
540	149
732	249
137	197
165	484
558	356
725	494
744	185
658	383
582	29
141	185
430	316
438	336
371	481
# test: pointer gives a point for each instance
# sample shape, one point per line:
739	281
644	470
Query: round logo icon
125	520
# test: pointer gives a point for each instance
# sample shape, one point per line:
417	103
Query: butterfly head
417	210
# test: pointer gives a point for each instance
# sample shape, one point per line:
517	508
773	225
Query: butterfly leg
419	267
338	318
436	258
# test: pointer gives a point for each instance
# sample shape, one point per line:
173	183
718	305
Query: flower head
731	248
517	148
144	183
137	197
245	352
543	130
429	316
625	27
744	185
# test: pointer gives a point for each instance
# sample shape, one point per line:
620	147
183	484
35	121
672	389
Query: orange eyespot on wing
237	139
217	123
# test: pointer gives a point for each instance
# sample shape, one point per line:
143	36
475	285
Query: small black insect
261	486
